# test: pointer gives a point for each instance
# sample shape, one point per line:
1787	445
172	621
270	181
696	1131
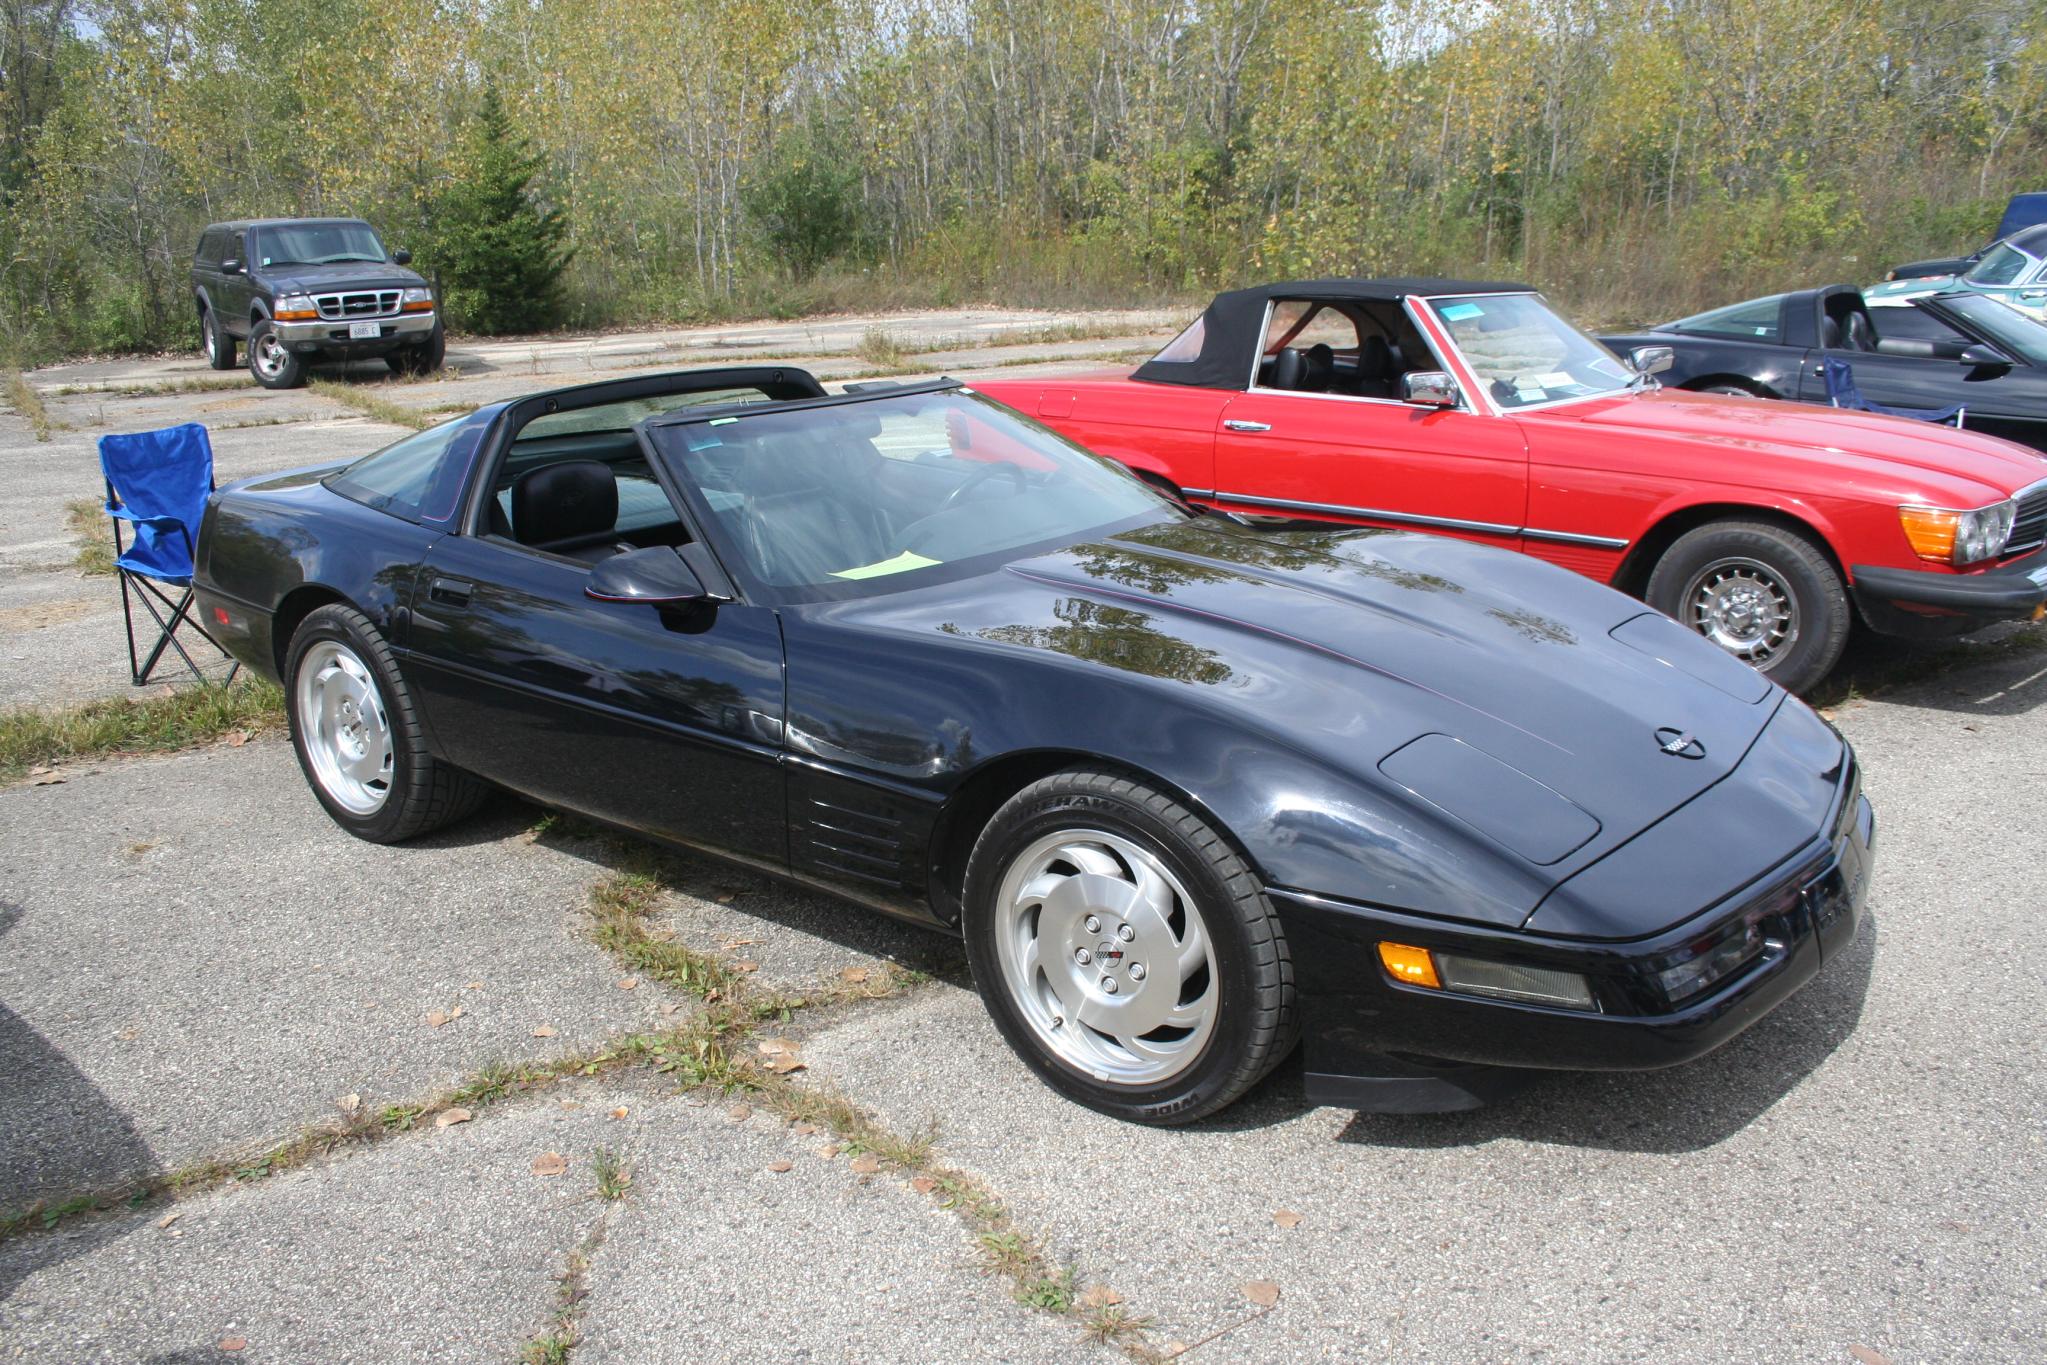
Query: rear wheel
216	343
1764	593
1125	951
273	364
357	734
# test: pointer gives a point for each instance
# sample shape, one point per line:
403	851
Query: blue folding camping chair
157	482
1842	393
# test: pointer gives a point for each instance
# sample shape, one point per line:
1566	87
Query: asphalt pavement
194	963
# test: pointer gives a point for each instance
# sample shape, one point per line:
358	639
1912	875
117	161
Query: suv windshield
886	494
1525	353
2002	264
317	244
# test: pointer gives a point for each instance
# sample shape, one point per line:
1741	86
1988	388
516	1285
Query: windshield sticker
720	421
1556	380
1460	312
1528	395
902	563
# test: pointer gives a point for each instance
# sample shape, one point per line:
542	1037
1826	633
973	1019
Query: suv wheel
425	358
217	344
1764	593
274	366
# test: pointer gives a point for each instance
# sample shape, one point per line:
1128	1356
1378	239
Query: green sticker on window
902	563
1458	312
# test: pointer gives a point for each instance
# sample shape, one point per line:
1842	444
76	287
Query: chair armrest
154	523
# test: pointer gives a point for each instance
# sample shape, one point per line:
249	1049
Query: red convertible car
1474	410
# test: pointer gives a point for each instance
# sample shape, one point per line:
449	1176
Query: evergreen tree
503	252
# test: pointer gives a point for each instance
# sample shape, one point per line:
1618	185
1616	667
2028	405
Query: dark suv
297	290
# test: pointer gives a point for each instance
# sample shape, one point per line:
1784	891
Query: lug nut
1093	925
1083	956
1125	932
1109	985
1137	971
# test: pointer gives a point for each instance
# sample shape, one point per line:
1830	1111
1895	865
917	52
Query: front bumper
2014	590
327	335
1377	1044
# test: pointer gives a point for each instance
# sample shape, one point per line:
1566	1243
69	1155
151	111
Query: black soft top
1234	322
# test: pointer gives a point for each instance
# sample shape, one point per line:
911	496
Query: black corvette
1933	352
1189	790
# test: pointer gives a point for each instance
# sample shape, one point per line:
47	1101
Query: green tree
806	201
503	252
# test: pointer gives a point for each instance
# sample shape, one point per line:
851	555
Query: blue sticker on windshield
1458	312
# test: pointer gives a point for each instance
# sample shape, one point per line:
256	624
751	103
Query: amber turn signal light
1931	531
1409	964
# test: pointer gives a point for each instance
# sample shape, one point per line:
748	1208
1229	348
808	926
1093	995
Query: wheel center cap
1109	954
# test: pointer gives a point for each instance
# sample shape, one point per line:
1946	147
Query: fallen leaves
778	1167
233	1343
349	1103
620	1112
550	1163
768	1047
739	1113
746	965
543	1031
173	1216
448	1118
438	1018
829	1151
1868	1356
628	983
804	1129
237	738
1286	1218
923	1184
1264	1293
785	1063
866	1164
1100	1296
853	976
44	777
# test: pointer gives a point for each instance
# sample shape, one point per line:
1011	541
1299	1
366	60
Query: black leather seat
1376	374
1289	368
565	507
1320	373
1861	336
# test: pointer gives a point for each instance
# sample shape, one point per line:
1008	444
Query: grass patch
160	388
86	518
23	398
881	347
365	399
614	1177
34	736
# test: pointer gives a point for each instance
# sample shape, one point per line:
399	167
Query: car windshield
2013	329
1524	353
885	494
317	244
2002	264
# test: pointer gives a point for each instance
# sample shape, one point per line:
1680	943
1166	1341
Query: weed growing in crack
614	1177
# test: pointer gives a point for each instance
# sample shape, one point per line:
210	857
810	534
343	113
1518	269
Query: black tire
425	358
218	346
421	793
270	362
1252	1022
1772	557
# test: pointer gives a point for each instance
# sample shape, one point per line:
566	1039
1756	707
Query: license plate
364	331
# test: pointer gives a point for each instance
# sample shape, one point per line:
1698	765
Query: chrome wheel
344	727
210	339
268	355
1745	607
1106	957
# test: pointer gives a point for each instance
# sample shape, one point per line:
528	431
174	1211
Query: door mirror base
1982	357
654	577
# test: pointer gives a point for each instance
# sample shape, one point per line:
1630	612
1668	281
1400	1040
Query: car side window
239	249
576	485
420	478
1755	320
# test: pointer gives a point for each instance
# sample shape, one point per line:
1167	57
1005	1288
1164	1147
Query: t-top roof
1233	323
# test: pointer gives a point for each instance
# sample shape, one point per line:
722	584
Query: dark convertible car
1933	352
1189	790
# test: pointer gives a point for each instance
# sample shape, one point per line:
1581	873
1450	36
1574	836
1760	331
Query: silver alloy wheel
210	336
269	354
1106	957
1744	606
344	727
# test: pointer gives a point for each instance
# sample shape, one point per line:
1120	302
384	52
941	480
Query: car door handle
1239	424
452	592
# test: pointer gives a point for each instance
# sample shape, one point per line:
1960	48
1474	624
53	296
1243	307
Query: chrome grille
375	303
2029	527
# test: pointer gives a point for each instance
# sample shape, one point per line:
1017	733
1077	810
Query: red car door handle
1239	424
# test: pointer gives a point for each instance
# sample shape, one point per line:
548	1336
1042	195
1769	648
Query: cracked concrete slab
717	1255
196	958
435	1245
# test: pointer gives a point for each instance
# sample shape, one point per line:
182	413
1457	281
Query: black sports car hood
316	279
1522	712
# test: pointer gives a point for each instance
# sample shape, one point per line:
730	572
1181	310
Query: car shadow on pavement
1679	1109
59	1136
1997	672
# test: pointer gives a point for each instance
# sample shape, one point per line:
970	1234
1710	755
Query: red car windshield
1524	353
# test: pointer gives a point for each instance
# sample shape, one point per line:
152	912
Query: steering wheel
980	476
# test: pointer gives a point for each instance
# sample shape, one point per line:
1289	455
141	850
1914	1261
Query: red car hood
1893	449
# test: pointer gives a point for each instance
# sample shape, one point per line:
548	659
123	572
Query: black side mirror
1984	357
230	266
653	577
401	257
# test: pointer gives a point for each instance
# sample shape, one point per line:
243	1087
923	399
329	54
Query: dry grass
159	388
86	518
23	398
365	399
880	347
35	736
